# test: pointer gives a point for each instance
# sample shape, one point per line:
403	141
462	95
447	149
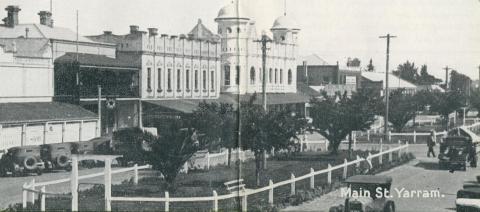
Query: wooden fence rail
243	194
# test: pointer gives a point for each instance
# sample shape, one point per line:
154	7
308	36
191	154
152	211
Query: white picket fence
207	160
31	189
37	191
243	194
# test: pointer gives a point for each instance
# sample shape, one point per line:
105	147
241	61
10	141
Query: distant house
320	76
376	80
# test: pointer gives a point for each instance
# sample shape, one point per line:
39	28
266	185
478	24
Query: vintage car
57	156
454	153
21	160
100	145
468	199
367	193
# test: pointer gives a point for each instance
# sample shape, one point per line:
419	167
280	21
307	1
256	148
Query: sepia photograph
240	105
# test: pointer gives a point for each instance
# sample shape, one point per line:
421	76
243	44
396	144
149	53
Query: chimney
134	29
46	18
107	32
12	15
153	31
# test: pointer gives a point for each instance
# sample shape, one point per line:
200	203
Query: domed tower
233	25
285	30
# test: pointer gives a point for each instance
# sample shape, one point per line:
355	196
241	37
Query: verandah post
345	168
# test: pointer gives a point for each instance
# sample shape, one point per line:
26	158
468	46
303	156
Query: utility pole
385	127
446	77
99	105
264	42
478	83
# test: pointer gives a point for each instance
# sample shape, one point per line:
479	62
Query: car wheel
390	207
62	161
29	163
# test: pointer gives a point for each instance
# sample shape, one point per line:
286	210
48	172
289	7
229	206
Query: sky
437	33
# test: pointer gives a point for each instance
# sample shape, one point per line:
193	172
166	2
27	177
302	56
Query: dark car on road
21	160
57	156
368	187
455	151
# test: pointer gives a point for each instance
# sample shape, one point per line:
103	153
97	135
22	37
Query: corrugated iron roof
31	47
393	81
95	60
11	113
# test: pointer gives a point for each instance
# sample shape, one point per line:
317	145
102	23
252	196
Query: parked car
100	145
454	153
21	160
468	200
369	200
57	156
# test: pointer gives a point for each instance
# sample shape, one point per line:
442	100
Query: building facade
241	53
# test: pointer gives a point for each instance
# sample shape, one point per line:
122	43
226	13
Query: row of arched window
274	76
181	77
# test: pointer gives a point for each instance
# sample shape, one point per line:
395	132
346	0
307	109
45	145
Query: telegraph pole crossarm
385	127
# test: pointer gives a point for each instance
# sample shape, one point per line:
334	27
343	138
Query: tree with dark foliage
175	145
335	117
402	108
447	102
262	131
407	71
218	122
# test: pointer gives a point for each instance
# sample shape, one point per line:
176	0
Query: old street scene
240	105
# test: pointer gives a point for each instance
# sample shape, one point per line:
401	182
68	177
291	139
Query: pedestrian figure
431	143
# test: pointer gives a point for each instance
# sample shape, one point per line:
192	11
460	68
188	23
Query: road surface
419	174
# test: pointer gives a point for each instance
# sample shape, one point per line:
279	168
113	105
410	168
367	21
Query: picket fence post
329	174
108	185
389	135
32	194
208	160
380	158
244	201
312	178
414	136
167	201
270	192
345	168
74	183
24	196
42	198
368	135
215	201
390	156
292	185
135	174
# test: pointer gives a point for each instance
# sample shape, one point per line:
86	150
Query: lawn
202	183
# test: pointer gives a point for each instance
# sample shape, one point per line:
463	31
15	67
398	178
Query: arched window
179	80
149	79
237	75
212	80
159	89
270	77
169	80
260	75
195	83
281	76
252	76
226	70
289	76
187	79
276	73
229	30
204	80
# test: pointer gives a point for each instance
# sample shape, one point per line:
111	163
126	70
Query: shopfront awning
189	105
14	113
